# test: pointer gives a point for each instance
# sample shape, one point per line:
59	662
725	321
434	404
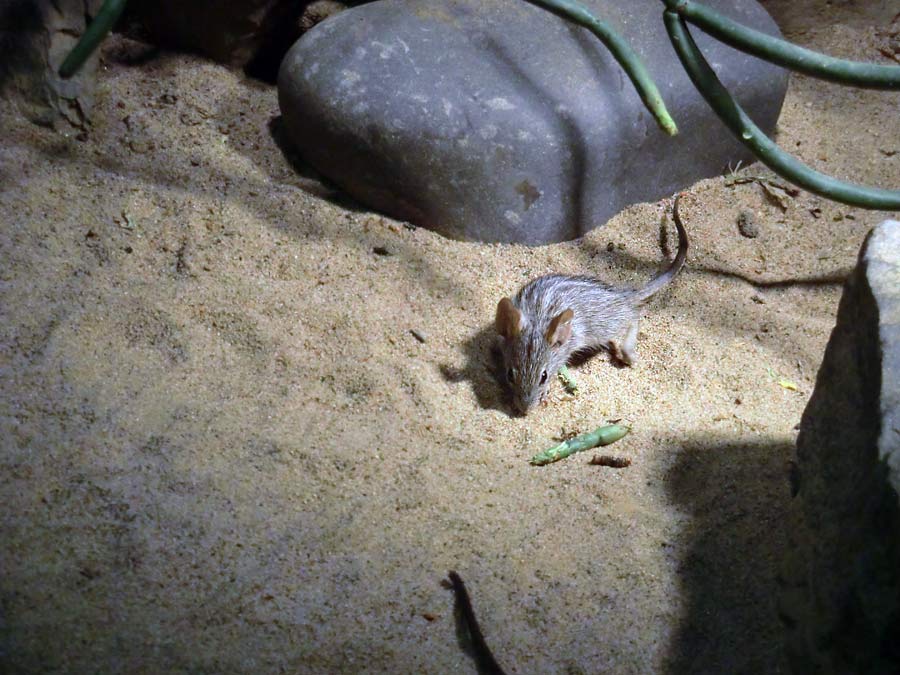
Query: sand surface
223	449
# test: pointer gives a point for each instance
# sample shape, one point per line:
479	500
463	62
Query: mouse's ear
560	328
509	319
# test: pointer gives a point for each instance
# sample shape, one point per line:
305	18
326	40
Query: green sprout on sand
568	382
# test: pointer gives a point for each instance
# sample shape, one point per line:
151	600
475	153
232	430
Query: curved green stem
622	52
93	36
785	54
599	436
750	135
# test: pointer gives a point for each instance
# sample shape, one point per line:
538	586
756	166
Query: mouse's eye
544	377
510	374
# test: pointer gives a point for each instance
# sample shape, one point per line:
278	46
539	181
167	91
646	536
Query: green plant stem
622	52
93	36
760	145
568	382
783	53
600	436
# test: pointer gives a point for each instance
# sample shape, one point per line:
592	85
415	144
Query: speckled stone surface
495	120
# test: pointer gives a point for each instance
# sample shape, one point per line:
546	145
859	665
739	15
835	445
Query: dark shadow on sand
737	495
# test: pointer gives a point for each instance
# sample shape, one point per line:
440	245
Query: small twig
736	179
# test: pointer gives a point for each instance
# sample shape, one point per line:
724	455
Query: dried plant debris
776	191
888	40
609	460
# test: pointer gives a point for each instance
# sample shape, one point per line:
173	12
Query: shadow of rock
309	179
737	495
840	600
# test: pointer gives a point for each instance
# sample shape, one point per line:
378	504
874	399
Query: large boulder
841	582
496	120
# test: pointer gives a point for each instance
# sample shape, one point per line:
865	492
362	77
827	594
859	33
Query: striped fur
603	316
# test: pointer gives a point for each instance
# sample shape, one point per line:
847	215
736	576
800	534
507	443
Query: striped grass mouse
555	317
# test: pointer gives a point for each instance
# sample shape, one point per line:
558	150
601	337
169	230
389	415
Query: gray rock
35	38
496	120
841	581
228	32
251	34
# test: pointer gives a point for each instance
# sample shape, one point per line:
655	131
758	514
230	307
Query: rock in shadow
306	177
738	496
18	20
133	53
310	180
483	371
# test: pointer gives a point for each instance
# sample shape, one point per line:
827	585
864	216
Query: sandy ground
223	450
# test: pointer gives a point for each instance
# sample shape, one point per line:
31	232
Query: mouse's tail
664	278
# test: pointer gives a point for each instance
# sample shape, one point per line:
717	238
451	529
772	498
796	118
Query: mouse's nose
523	404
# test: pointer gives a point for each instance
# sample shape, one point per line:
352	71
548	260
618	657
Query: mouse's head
533	351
